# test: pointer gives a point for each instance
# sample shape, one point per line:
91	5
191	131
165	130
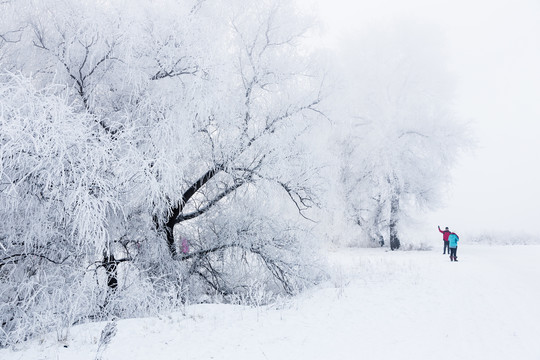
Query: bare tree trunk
111	269
394	218
376	223
169	230
175	212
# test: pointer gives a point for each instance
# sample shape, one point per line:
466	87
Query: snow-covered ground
379	305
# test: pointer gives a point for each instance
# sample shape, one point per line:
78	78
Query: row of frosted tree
156	153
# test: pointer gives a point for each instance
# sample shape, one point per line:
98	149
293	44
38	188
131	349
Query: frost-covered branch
12	36
202	253
302	200
13	259
411	132
183	217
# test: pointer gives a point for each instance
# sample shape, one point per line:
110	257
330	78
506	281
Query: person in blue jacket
452	244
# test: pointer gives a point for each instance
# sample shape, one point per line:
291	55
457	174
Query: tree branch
302	203
5	36
412	132
7	260
201	253
180	218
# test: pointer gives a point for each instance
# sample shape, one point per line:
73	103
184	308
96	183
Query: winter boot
455	258
451	258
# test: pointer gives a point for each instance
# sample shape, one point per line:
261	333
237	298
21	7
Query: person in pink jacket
185	246
446	233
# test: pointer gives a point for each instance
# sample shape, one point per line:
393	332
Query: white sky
494	52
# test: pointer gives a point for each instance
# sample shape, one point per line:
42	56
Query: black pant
453	252
446	247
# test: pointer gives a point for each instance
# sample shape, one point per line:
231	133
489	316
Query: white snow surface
378	305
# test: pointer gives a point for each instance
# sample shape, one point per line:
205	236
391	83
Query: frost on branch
125	129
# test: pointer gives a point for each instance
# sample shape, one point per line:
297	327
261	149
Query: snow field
377	305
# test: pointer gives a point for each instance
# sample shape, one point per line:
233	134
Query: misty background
493	52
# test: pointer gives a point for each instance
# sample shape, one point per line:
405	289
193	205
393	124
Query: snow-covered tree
402	135
129	131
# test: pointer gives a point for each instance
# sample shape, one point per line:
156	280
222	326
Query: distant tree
403	136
